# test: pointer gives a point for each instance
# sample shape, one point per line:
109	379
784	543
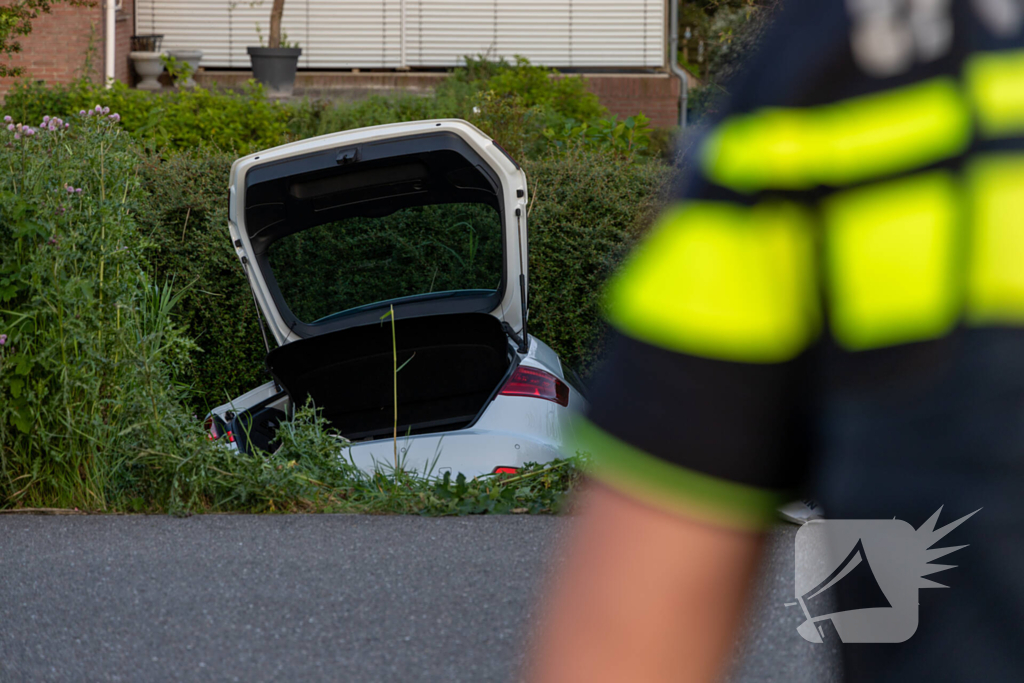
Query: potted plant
186	63
274	66
148	61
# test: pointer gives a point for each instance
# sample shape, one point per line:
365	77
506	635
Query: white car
427	219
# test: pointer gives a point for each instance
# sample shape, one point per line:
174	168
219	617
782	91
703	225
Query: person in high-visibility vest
835	303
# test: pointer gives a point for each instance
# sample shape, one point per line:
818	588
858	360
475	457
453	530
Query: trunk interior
456	362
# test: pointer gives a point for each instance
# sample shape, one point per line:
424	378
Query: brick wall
656	95
60	44
123	41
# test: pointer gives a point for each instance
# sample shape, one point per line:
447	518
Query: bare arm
643	596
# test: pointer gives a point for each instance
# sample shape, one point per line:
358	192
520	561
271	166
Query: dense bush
588	208
536	86
179	119
730	30
88	350
362	260
90	414
183	213
522	106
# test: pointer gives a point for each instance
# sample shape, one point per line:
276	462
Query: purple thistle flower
115	117
29	130
8	119
78	190
46	119
105	111
10	126
98	109
69	188
17	136
81	112
3	339
53	240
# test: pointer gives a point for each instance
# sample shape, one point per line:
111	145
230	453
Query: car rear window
362	260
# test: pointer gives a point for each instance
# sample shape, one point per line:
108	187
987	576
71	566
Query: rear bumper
512	432
472	452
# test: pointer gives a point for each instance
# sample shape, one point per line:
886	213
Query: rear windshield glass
364	260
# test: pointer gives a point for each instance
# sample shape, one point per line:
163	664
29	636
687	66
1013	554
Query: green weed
311	471
90	350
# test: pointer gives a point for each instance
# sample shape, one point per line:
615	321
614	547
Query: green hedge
184	215
181	119
362	260
588	209
522	106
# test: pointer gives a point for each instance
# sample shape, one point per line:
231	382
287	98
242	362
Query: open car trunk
424	219
454	364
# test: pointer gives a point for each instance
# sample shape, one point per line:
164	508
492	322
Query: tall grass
90	348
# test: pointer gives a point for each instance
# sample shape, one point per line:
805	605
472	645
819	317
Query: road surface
309	598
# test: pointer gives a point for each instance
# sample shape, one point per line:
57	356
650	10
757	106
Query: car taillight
505	470
215	428
527	381
210	425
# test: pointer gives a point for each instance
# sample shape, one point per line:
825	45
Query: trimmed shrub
522	106
180	119
587	210
362	260
184	215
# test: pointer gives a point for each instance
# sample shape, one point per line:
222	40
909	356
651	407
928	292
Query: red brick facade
64	43
123	43
656	95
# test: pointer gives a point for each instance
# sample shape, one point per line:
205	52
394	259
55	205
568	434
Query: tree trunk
275	24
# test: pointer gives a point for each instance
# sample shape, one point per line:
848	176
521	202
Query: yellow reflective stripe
995	279
722	281
995	82
842	143
891	253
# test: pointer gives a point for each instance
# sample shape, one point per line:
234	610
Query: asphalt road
309	598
